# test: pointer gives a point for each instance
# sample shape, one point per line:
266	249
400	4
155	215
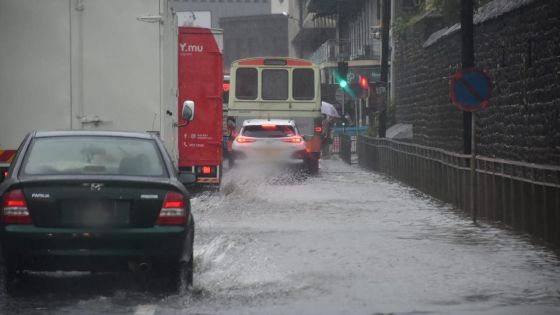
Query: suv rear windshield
266	131
100	155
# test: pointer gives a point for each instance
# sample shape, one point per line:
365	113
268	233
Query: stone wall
519	49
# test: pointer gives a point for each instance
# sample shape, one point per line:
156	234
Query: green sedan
96	201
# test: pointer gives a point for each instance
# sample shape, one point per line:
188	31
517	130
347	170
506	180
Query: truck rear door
200	80
116	58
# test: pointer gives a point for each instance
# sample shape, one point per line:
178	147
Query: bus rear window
246	83
274	84
303	85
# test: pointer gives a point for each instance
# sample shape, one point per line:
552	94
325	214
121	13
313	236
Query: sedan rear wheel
180	276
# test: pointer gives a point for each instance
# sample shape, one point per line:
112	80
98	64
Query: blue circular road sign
470	89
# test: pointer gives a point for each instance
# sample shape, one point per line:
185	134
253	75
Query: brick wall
520	50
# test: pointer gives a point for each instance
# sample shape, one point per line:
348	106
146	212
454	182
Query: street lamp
286	14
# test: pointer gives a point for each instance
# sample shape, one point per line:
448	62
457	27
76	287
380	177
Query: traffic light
342	71
364	85
364	82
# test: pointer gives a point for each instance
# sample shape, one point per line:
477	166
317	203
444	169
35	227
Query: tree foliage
450	10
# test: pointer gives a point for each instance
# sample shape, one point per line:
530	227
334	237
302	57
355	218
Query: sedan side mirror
188	110
187	178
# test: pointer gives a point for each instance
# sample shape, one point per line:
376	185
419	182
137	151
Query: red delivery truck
200	78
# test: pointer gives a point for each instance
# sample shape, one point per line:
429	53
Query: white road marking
148	309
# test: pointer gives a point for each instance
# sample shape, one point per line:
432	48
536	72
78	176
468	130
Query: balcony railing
332	51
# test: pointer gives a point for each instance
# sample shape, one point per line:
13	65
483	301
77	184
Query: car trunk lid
96	203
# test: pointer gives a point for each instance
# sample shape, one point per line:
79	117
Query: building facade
251	27
223	8
342	30
251	36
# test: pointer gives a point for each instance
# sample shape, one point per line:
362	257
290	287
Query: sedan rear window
266	131
102	155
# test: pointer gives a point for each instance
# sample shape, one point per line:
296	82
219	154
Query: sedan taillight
174	210
14	208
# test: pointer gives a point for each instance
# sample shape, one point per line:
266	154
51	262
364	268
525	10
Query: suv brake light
174	210
14	208
293	140
244	140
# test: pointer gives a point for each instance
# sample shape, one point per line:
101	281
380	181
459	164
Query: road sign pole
473	168
467	60
343	111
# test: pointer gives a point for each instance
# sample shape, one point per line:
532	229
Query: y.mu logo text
191	48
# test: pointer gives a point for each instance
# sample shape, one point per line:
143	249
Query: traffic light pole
385	22
343	111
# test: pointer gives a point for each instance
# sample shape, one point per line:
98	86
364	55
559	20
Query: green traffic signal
343	83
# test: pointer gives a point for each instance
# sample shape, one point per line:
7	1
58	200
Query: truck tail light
14	208
244	140
206	170
174	210
293	140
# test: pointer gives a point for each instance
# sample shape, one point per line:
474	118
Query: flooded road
345	242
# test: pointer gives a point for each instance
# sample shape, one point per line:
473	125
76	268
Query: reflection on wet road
345	242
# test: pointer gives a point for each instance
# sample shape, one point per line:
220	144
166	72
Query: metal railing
348	146
522	195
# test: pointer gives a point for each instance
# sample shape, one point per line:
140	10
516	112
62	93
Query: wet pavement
344	242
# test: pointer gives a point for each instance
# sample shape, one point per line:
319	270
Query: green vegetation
450	11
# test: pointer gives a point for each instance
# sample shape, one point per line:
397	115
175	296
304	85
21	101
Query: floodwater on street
345	242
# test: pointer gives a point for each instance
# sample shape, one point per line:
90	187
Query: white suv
270	140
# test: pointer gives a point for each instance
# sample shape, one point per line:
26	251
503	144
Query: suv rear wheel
312	165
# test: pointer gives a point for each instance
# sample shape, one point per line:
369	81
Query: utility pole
385	24
467	61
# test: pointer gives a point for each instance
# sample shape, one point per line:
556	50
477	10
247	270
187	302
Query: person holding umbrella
328	110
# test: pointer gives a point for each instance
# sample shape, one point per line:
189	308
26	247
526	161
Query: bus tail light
318	128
